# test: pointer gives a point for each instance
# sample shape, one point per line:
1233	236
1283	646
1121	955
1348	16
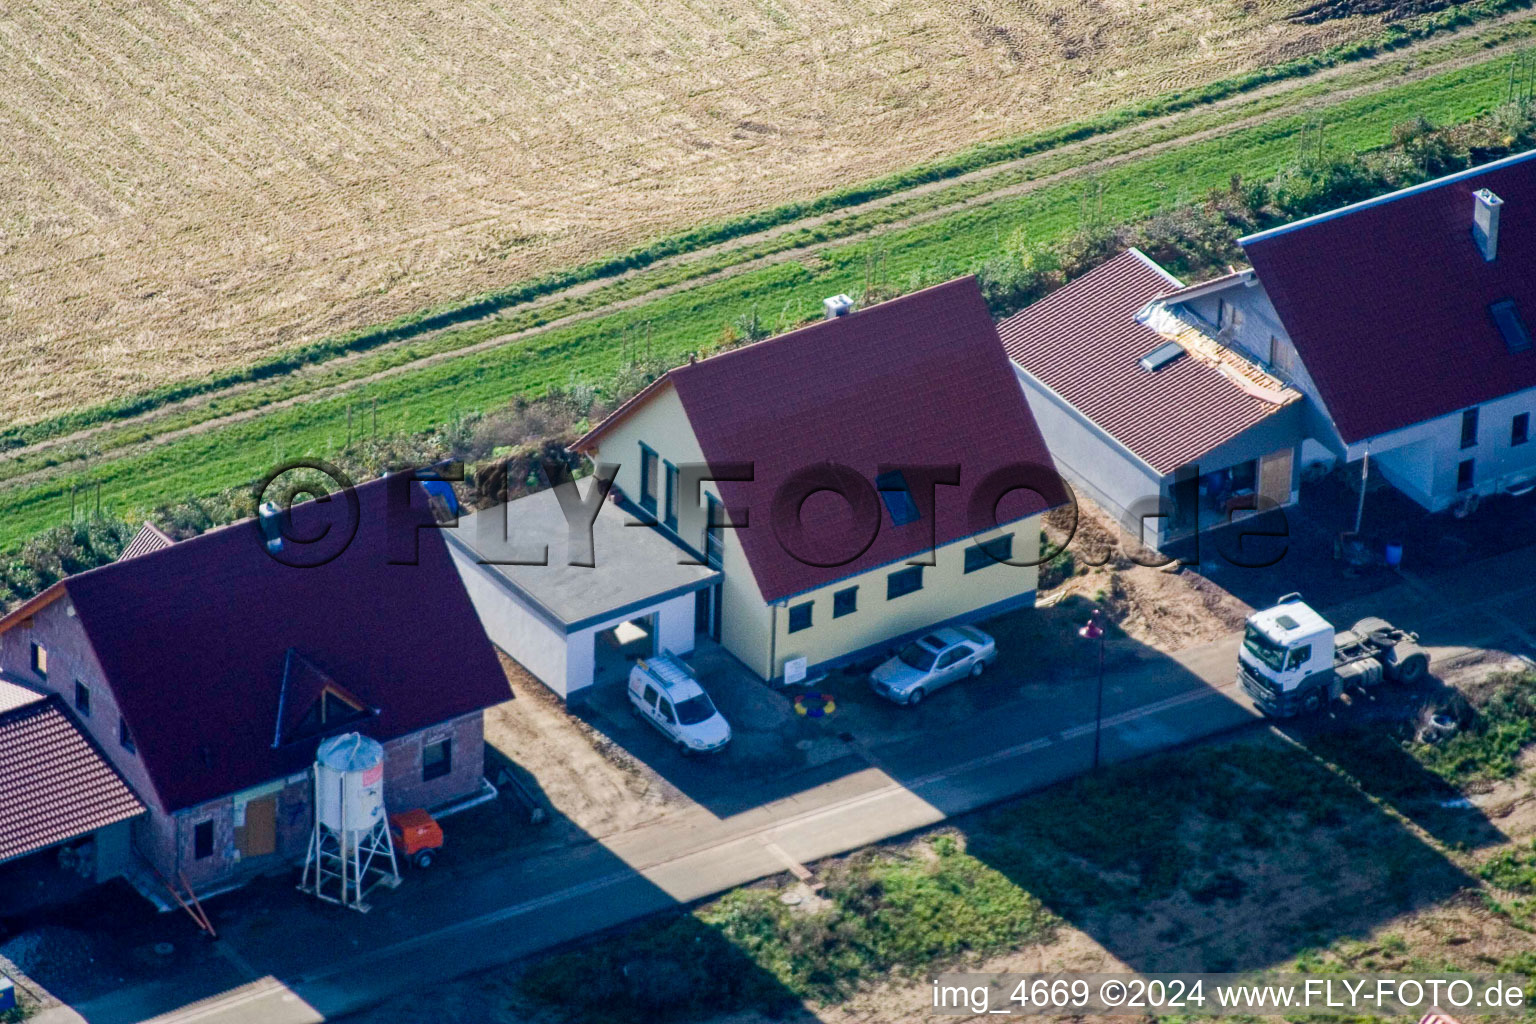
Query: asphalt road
1021	745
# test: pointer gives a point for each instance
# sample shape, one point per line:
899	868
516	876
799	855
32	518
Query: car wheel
978	668
423	859
684	749
915	697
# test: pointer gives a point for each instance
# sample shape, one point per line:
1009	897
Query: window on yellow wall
903	582
800	617
991	552
845	602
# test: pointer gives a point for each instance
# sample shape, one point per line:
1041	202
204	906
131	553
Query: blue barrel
1394	553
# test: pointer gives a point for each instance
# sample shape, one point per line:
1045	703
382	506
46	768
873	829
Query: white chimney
271	518
837	305
1485	222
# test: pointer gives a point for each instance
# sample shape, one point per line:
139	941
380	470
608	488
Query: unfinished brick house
209	670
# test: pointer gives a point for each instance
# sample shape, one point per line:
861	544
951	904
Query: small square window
82	699
125	737
1469	428
1520	429
800	617
40	661
845	602
436	759
202	840
1465	472
903	582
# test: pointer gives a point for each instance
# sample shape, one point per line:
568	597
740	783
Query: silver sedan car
933	660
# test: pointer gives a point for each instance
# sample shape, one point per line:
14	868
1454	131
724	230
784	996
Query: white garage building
576	625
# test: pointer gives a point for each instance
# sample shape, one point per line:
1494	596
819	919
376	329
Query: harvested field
189	186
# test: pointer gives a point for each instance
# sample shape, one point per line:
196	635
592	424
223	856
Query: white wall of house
674	632
562	661
1423	460
514	625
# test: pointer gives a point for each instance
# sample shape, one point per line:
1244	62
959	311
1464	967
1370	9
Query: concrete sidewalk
692	854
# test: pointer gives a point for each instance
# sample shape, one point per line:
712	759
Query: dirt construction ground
190	185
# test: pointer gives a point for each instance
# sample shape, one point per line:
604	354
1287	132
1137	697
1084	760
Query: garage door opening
618	647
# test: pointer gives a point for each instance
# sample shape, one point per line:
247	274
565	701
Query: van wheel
915	697
1412	669
1312	703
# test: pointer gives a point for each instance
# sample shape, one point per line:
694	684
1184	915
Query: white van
664	691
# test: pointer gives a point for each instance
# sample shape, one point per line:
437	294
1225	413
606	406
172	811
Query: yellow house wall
758	633
948	593
662	424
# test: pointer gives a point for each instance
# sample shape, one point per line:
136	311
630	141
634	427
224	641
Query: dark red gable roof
54	783
919	380
1388	301
195	638
1084	343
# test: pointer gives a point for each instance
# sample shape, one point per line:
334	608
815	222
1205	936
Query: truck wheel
423	859
1412	668
1370	624
1312	703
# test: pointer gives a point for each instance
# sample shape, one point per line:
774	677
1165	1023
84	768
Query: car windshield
1263	648
919	657
695	710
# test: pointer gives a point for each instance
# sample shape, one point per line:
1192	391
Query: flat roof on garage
634	567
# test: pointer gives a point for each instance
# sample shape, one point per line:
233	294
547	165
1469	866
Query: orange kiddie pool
417	836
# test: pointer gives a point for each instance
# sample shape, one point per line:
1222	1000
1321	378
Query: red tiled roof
916	380
54	783
1083	342
194	640
149	538
1387	301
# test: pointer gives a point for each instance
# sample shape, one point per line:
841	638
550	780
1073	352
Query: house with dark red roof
1162	426
208	670
1406	322
855	481
1396	330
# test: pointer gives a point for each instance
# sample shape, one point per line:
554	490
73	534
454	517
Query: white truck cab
1293	661
665	692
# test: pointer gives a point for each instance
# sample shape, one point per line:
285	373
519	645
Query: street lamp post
1094	630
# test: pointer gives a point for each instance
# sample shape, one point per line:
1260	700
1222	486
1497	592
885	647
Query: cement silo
350	851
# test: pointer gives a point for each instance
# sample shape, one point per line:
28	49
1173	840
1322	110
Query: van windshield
695	710
919	657
1263	648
